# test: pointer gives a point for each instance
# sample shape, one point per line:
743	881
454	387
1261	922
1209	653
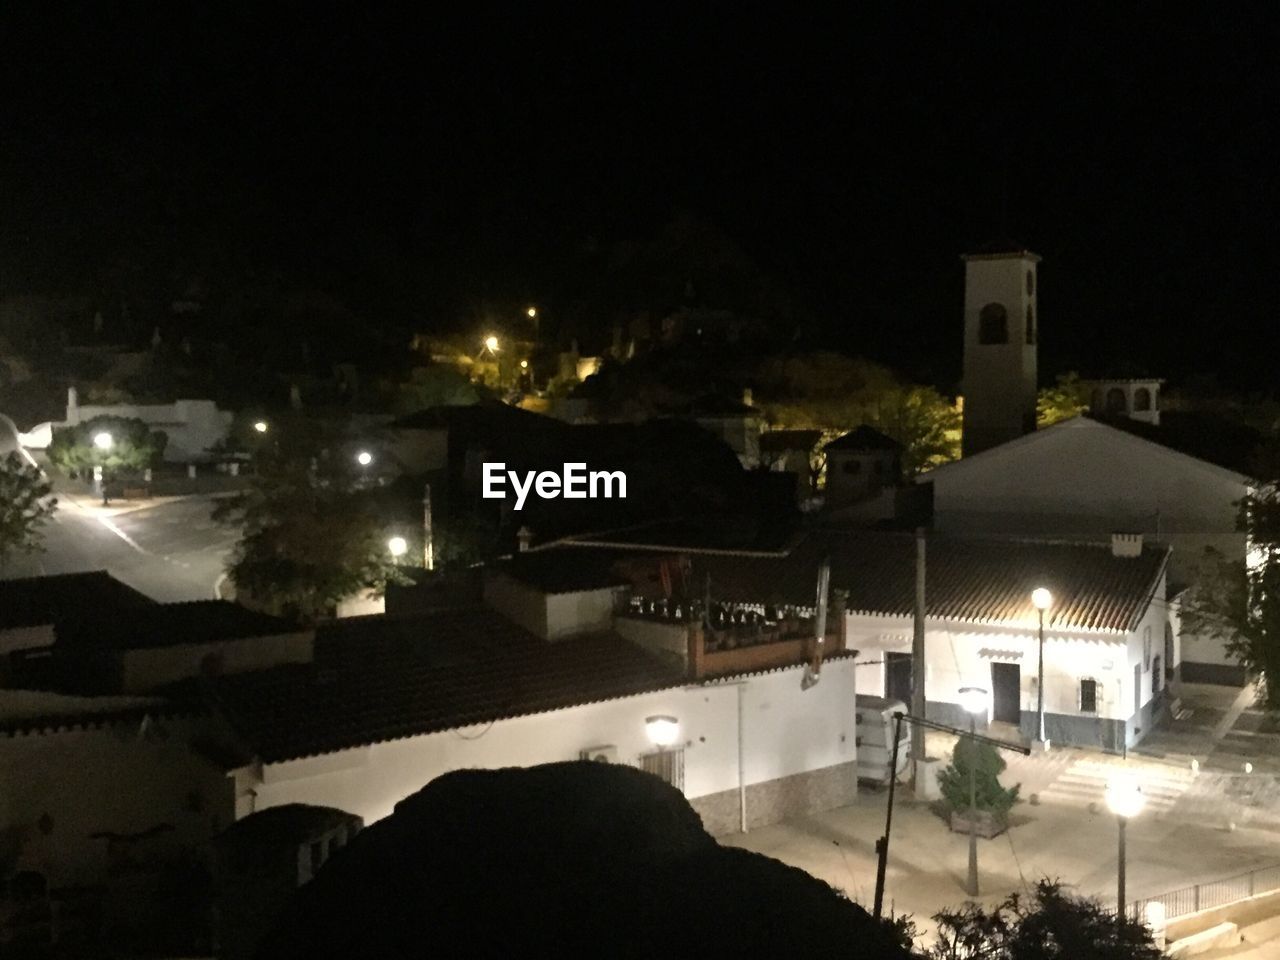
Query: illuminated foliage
1067	398
134	445
25	506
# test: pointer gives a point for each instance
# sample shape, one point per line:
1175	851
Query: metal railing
1215	893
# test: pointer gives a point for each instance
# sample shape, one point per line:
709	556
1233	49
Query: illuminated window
1142	399
993	324
1031	324
1088	696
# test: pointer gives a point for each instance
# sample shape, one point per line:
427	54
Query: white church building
1084	478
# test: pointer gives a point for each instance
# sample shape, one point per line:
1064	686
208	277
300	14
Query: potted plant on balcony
991	800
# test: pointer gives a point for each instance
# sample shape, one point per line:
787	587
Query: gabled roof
977	580
379	678
864	438
1132	432
39	601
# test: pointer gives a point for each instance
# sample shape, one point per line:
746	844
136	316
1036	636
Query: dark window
666	765
1142	399
993	324
1031	283
1031	323
1088	696
877	467
1115	401
853	466
1156	676
317	856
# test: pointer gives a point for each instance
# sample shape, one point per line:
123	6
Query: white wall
111	779
787	731
193	426
583	611
1083	478
150	667
22	638
960	654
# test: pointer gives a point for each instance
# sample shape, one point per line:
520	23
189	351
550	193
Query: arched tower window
1031	324
993	324
1115	401
1142	399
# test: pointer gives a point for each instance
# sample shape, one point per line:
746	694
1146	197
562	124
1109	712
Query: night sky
423	168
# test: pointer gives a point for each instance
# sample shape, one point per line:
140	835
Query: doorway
1006	687
897	677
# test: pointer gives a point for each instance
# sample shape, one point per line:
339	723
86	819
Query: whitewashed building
1083	479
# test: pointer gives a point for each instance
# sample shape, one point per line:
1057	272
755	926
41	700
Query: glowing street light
398	546
532	313
364	458
524	364
491	343
974	701
260	426
663	731
1125	800
1041	599
103	441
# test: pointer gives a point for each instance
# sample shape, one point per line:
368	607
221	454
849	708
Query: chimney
1126	544
524	536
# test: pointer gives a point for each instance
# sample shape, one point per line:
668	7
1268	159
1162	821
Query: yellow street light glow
103	440
524	364
532	312
398	546
491	343
1041	598
261	426
364	458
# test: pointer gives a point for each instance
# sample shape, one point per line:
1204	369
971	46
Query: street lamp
532	313
974	702
364	458
663	731
103	441
398	546
260	426
1125	800
1041	599
524	364
491	343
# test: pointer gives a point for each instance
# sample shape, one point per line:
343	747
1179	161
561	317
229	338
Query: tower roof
1001	250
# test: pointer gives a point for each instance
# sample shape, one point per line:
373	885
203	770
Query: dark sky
427	161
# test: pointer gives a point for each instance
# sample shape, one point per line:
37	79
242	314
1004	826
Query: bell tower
1001	327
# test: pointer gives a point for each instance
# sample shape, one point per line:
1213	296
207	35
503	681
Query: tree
134	445
25	506
1239	602
1067	398
1050	925
953	780
314	533
833	393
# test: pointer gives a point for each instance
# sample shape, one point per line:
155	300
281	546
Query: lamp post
1041	599
1125	800
103	442
974	701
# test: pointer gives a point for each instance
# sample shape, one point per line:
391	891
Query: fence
1215	893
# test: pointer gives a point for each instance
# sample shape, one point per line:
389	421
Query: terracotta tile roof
379	678
163	624
977	580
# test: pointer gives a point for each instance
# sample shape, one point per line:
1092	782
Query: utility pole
428	547
917	658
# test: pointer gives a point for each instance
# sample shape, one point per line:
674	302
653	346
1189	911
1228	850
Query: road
171	551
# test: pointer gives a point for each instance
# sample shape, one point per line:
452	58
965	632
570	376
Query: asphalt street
171	551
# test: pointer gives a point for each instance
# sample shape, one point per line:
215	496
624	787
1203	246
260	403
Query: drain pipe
742	753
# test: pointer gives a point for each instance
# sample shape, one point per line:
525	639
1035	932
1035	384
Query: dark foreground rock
568	860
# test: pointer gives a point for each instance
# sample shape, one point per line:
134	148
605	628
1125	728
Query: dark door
897	677
1006	682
